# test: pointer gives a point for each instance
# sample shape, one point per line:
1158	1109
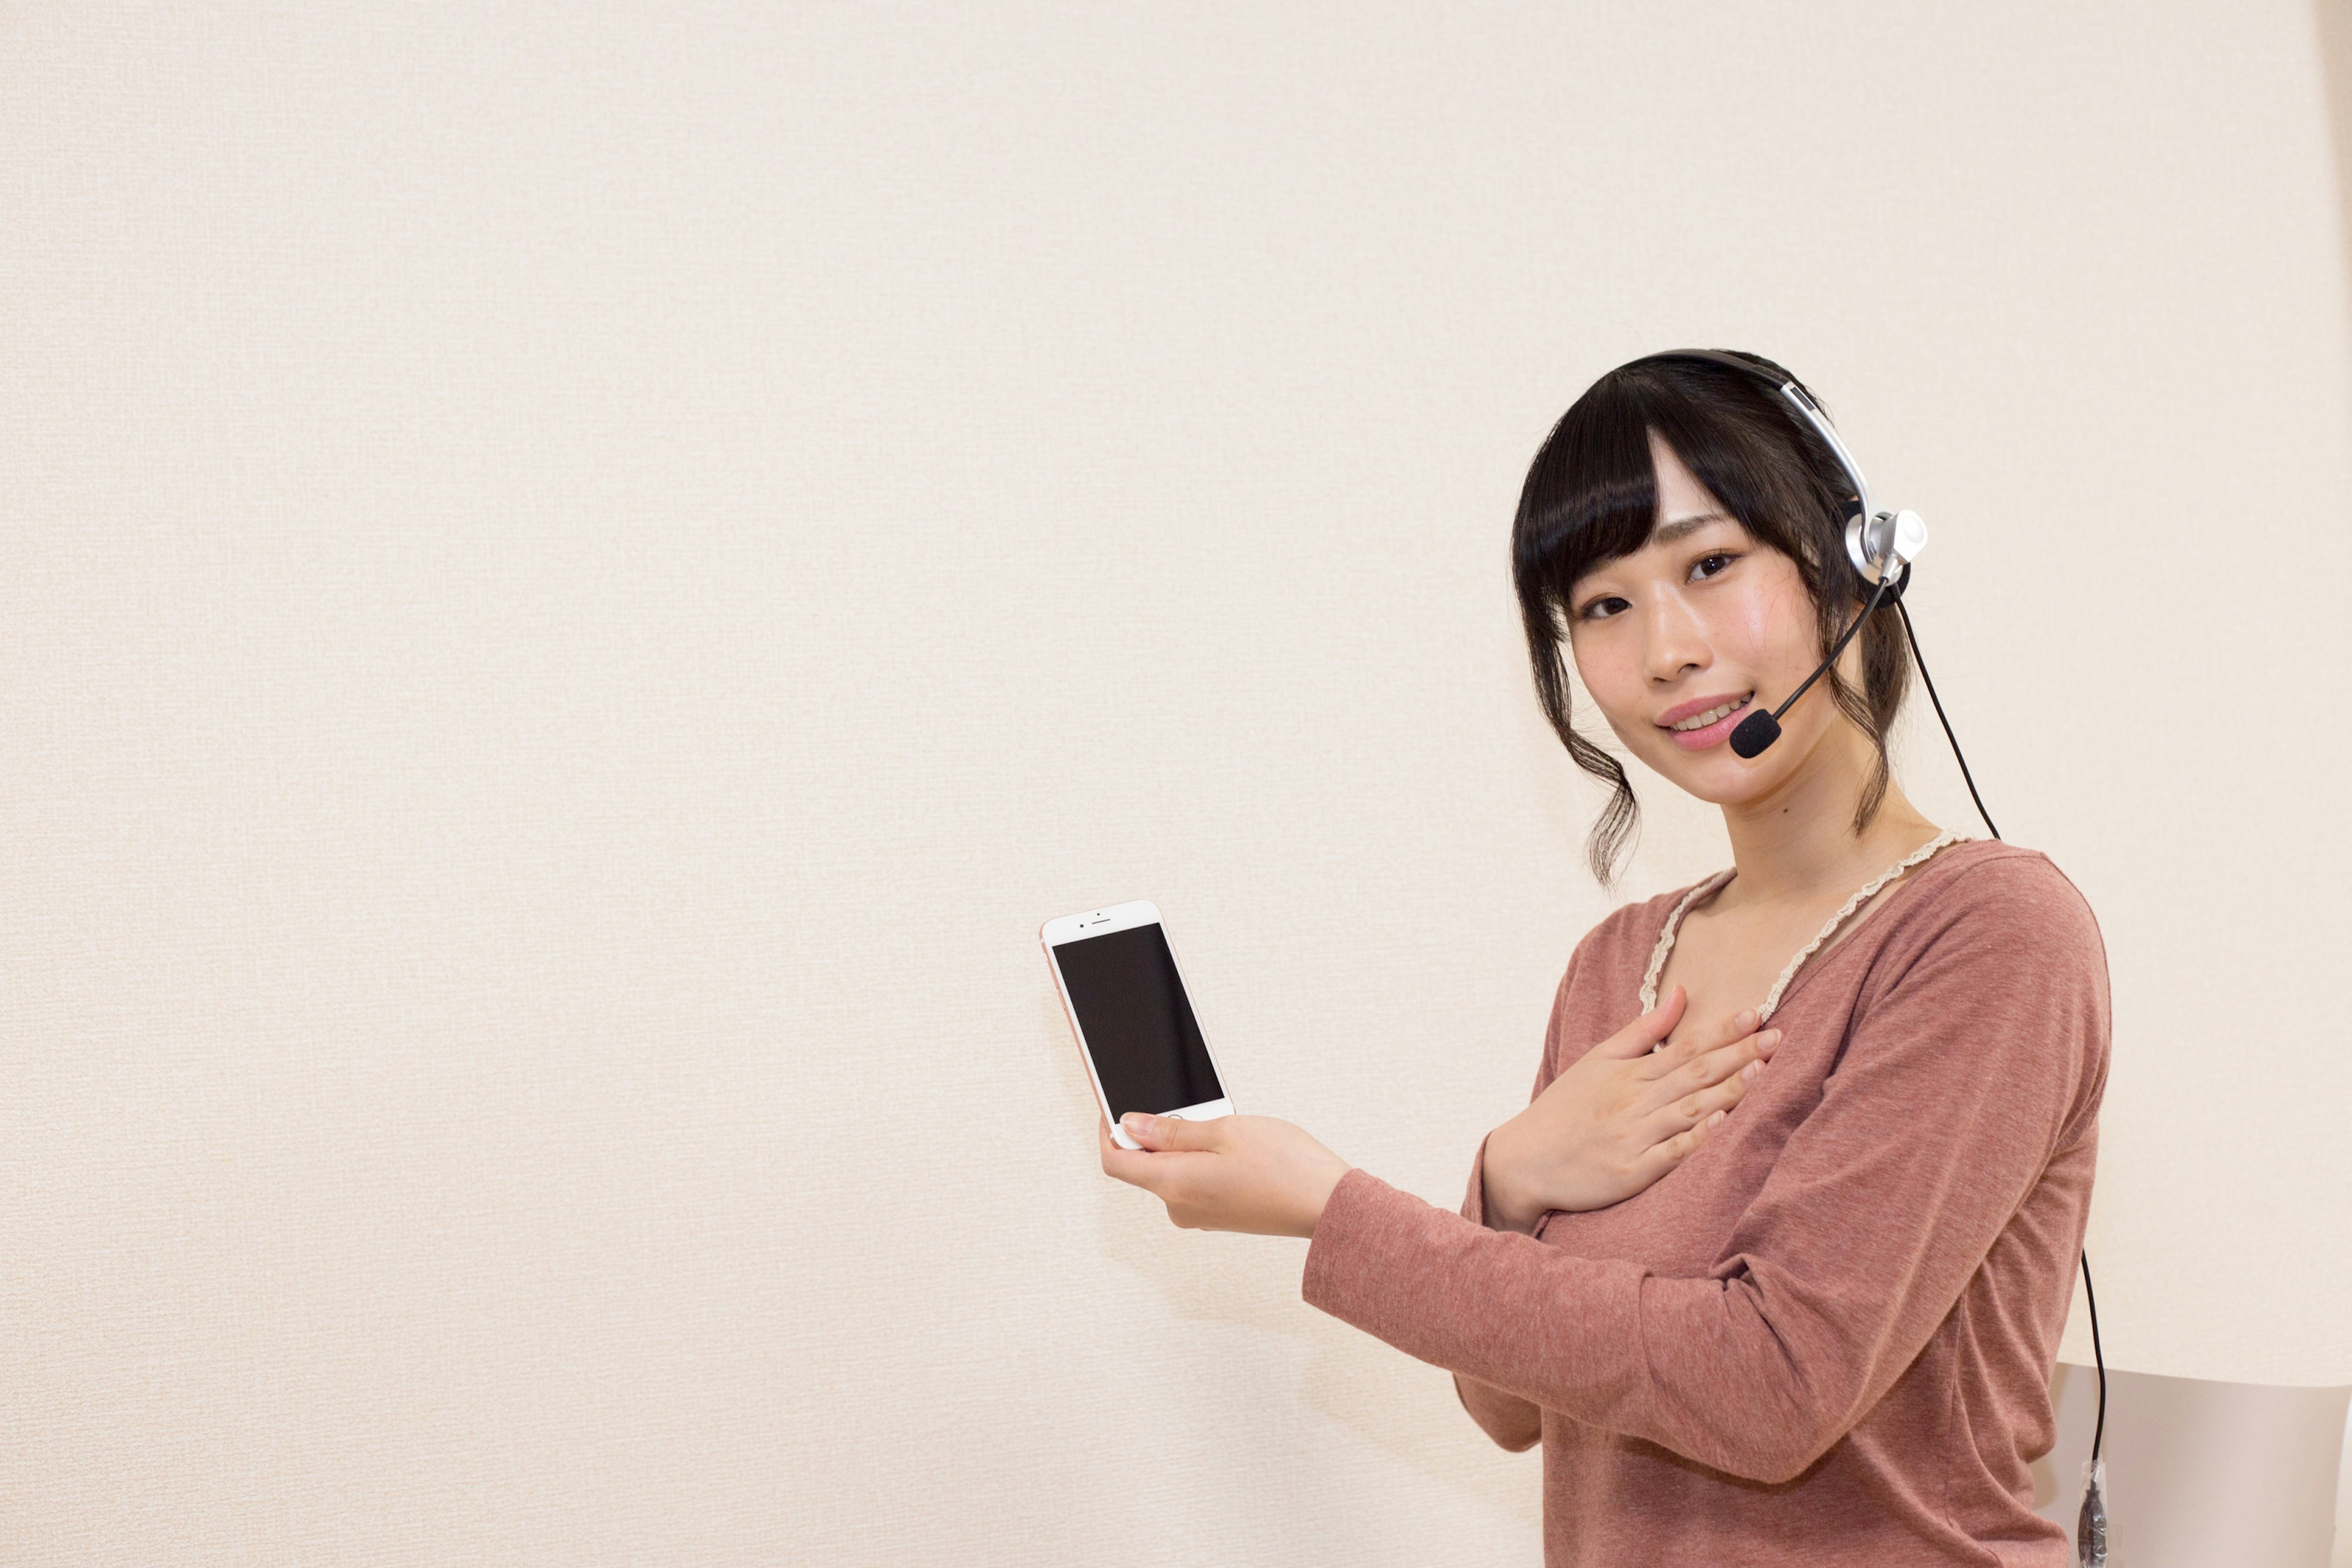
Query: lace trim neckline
1704	889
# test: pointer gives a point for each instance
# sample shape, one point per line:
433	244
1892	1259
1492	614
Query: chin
1734	784
1720	776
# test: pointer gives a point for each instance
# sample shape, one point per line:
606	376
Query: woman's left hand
1251	1173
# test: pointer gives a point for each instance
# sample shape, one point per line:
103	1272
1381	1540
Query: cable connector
2090	1528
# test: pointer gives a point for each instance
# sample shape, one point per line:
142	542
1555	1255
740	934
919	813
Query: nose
1677	643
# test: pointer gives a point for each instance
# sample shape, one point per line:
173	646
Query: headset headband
1874	539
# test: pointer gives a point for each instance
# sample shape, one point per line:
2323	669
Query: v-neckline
1795	974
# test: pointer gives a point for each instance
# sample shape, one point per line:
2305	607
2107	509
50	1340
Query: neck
1798	844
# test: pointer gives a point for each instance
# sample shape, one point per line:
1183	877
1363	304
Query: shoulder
1994	964
1996	895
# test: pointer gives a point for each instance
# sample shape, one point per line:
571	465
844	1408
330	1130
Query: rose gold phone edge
1102	922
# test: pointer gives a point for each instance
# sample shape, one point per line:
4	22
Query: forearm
1548	1329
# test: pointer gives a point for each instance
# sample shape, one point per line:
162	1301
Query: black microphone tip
1754	732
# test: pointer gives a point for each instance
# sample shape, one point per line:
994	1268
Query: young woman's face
1681	639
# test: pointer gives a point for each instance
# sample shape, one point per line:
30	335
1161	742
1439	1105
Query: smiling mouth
1712	716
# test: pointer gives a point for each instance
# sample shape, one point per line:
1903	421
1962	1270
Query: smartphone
1126	1002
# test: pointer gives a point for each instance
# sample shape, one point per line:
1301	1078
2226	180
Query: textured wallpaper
576	582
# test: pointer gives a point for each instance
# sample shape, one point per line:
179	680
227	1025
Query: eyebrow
1676	528
1667	532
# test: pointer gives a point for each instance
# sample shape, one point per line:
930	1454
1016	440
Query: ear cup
1894	536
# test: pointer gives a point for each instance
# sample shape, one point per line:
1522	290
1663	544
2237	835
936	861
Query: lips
1737	705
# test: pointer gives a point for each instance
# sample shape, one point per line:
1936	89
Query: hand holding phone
1257	1174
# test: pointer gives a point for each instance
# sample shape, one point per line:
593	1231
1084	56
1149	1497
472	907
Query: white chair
2200	1474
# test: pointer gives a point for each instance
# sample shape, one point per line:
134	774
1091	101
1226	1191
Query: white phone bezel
1102	923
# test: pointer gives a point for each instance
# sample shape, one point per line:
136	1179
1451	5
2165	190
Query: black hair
1591	496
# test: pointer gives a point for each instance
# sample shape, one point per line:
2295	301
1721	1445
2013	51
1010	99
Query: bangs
1591	494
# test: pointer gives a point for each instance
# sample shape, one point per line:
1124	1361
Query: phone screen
1138	1022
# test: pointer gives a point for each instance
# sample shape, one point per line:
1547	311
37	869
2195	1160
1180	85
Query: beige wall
575	585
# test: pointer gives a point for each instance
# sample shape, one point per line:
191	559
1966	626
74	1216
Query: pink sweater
1827	1338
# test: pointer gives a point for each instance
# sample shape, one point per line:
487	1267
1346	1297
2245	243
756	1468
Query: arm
1514	1423
1960	1077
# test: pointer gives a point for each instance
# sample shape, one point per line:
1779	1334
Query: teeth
1701	720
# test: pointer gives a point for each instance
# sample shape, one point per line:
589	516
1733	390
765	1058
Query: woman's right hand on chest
1621	1117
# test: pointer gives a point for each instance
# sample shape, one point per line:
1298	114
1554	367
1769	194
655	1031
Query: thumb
1167	1132
1636	1038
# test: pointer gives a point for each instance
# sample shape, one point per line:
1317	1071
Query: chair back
2201	1473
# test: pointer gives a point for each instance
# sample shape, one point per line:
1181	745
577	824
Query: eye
1601	607
1725	558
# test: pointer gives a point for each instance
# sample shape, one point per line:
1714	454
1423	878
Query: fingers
1637	1039
1726	1061
1665	1156
1163	1133
1127	1165
1708	1037
1717	1081
1149	1166
1702	1106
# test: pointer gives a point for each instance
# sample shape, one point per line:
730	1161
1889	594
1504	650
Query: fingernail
1135	1121
1747	1017
1752	1069
1768	1038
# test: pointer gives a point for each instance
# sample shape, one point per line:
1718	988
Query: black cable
2097	1354
1913	638
1851	626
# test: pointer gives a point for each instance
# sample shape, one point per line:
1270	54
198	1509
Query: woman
1802	1312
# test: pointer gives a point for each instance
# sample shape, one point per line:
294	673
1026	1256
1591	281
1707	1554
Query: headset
1882	546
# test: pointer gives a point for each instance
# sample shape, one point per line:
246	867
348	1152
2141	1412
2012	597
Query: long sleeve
1970	1057
1514	1423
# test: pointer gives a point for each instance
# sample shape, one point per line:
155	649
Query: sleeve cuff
1335	1254
1473	1204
